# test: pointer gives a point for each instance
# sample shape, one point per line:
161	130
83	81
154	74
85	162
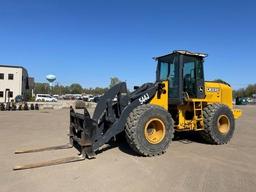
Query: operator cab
184	72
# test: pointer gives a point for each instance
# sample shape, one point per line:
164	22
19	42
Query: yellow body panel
161	101
219	93
214	93
183	122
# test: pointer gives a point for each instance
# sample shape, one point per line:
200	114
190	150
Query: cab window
169	71
164	71
192	73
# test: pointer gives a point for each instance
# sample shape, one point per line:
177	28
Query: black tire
214	116
135	127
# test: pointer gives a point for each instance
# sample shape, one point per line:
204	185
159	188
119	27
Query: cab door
169	69
192	76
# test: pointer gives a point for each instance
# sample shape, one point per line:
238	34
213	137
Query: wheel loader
179	100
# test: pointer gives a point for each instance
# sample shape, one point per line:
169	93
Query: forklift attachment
49	163
88	134
67	146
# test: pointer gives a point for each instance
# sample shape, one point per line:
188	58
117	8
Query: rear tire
219	124
149	130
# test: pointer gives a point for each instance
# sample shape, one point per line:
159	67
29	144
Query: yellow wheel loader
179	100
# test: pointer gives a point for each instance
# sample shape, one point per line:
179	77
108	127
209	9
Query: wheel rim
154	131
223	124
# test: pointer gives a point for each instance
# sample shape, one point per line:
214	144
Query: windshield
168	70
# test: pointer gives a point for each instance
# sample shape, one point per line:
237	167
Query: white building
14	81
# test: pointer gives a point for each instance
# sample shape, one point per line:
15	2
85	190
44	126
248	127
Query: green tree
66	90
42	88
245	92
239	93
114	81
88	90
250	90
76	88
100	91
60	90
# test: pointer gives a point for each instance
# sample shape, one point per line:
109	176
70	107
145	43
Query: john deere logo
212	89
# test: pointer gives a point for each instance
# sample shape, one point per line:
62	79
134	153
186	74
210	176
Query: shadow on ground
188	137
122	145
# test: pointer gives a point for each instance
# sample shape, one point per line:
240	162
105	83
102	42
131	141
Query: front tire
219	124
149	130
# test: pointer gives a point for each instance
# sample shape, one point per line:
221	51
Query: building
14	81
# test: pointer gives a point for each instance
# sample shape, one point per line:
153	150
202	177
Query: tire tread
131	127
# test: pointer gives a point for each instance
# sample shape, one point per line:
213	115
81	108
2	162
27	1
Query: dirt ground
188	165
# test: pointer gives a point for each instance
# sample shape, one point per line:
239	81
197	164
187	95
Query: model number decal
213	89
144	98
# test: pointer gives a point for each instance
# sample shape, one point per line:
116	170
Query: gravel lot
188	165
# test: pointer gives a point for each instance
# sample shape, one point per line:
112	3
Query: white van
45	97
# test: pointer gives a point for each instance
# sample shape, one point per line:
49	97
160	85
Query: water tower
51	79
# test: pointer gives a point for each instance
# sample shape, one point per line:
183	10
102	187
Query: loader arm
109	118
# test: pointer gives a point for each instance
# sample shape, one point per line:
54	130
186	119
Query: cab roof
183	52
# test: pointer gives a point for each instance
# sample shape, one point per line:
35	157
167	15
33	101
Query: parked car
77	96
91	98
250	100
86	97
45	97
56	96
241	101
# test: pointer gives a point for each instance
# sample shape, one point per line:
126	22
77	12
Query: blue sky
88	42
